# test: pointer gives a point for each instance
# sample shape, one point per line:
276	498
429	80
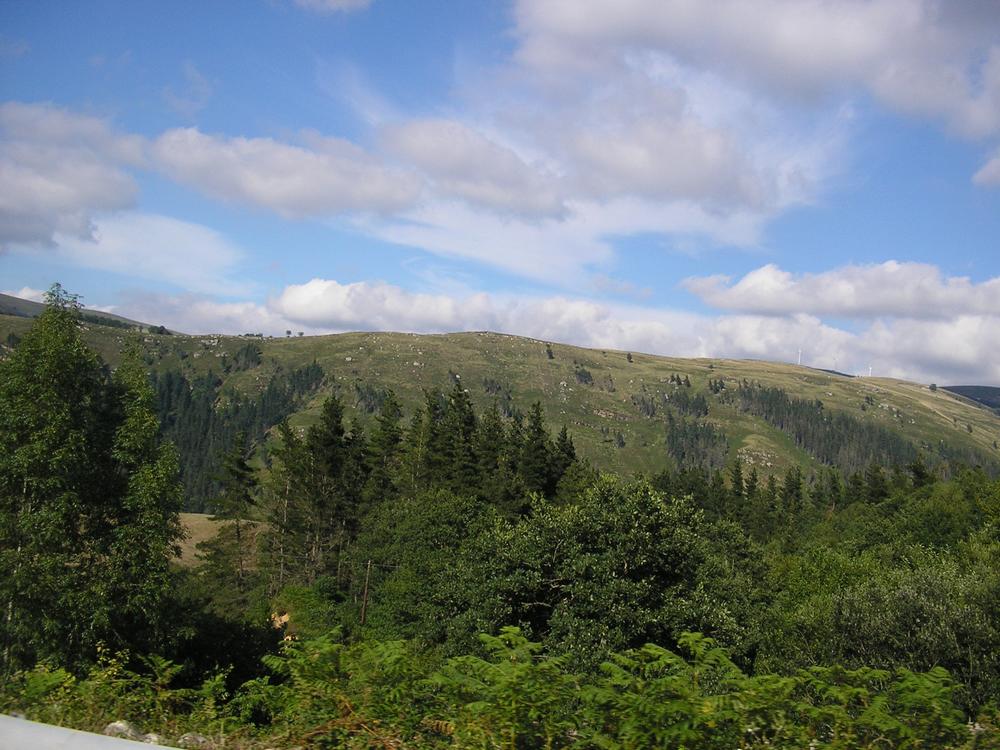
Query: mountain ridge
614	402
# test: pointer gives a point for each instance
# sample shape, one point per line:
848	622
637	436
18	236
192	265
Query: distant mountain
627	412
23	308
987	395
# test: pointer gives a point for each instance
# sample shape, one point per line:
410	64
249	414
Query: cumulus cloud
664	159
202	314
893	288
157	248
26	292
961	349
989	174
322	177
466	164
546	167
333	6
58	168
324	303
926	57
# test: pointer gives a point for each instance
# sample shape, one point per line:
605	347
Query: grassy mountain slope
23	308
591	391
982	394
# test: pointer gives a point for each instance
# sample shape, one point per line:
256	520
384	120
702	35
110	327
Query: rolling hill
22	308
614	403
986	395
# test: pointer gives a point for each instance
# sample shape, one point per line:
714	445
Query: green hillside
23	308
982	394
613	402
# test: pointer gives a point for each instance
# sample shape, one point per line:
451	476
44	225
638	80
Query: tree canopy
88	498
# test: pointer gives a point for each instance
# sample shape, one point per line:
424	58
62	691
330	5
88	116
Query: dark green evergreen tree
432	443
563	455
496	461
876	485
385	449
234	504
286	510
459	431
536	453
736	484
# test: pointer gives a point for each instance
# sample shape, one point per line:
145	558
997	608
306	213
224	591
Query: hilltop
24	308
613	402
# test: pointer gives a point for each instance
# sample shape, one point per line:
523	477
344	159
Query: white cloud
323	177
346	84
663	159
26	292
989	173
158	248
963	348
560	252
466	164
57	169
333	6
544	170
925	57
893	288
193	96
200	314
327	304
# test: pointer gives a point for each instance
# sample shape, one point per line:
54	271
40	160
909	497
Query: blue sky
726	179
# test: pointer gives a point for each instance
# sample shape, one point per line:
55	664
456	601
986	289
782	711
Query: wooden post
364	597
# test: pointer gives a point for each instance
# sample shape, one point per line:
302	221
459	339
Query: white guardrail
16	734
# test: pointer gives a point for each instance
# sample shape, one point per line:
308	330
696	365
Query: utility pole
364	597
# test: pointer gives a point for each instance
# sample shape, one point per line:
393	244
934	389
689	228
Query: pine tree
353	478
234	503
564	454
459	430
791	495
326	439
384	453
411	454
876	485
736	481
752	485
434	468
327	446
286	511
496	480
536	453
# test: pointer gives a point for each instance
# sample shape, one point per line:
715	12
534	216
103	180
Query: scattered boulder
122	729
152	738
